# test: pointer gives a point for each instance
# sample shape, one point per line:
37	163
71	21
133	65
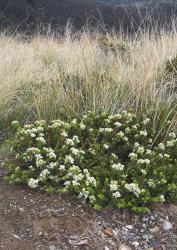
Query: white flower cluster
81	180
118	124
50	153
69	159
144	133
76	151
161	146
59	124
114	189
84	194
32	183
114	185
106	146
33	150
106	130
144	161
134	188
64	133
140	150
118	166
41	140
133	156
73	141
43	175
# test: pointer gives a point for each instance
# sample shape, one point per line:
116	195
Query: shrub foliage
102	159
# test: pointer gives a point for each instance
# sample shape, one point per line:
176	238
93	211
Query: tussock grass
46	78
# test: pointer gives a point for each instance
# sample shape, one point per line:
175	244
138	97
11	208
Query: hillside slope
28	14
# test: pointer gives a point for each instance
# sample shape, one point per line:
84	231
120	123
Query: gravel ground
35	220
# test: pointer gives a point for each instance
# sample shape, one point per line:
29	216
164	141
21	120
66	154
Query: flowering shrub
102	159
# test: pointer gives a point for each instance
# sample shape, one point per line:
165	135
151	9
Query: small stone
106	248
130	227
167	225
21	210
125	247
154	230
52	247
144	226
145	219
145	237
150	237
115	232
99	223
167	218
152	217
135	244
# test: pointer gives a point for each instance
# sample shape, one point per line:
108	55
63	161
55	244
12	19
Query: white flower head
140	150
169	144
64	134
125	138
143	161
172	135
82	126
92	198
116	194
144	133
108	130
75	151
118	166
148	152
118	124
43	175
121	134
41	140
69	159
74	122
161	146
62	167
162	198
52	155
113	185
106	146
69	142
146	121
132	187
32	183
133	156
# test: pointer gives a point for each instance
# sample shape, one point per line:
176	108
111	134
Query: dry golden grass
45	78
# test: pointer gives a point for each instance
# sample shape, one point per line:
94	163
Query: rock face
28	14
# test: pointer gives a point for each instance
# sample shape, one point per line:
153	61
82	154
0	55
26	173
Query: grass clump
102	159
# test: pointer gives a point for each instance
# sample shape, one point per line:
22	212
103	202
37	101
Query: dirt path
37	221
